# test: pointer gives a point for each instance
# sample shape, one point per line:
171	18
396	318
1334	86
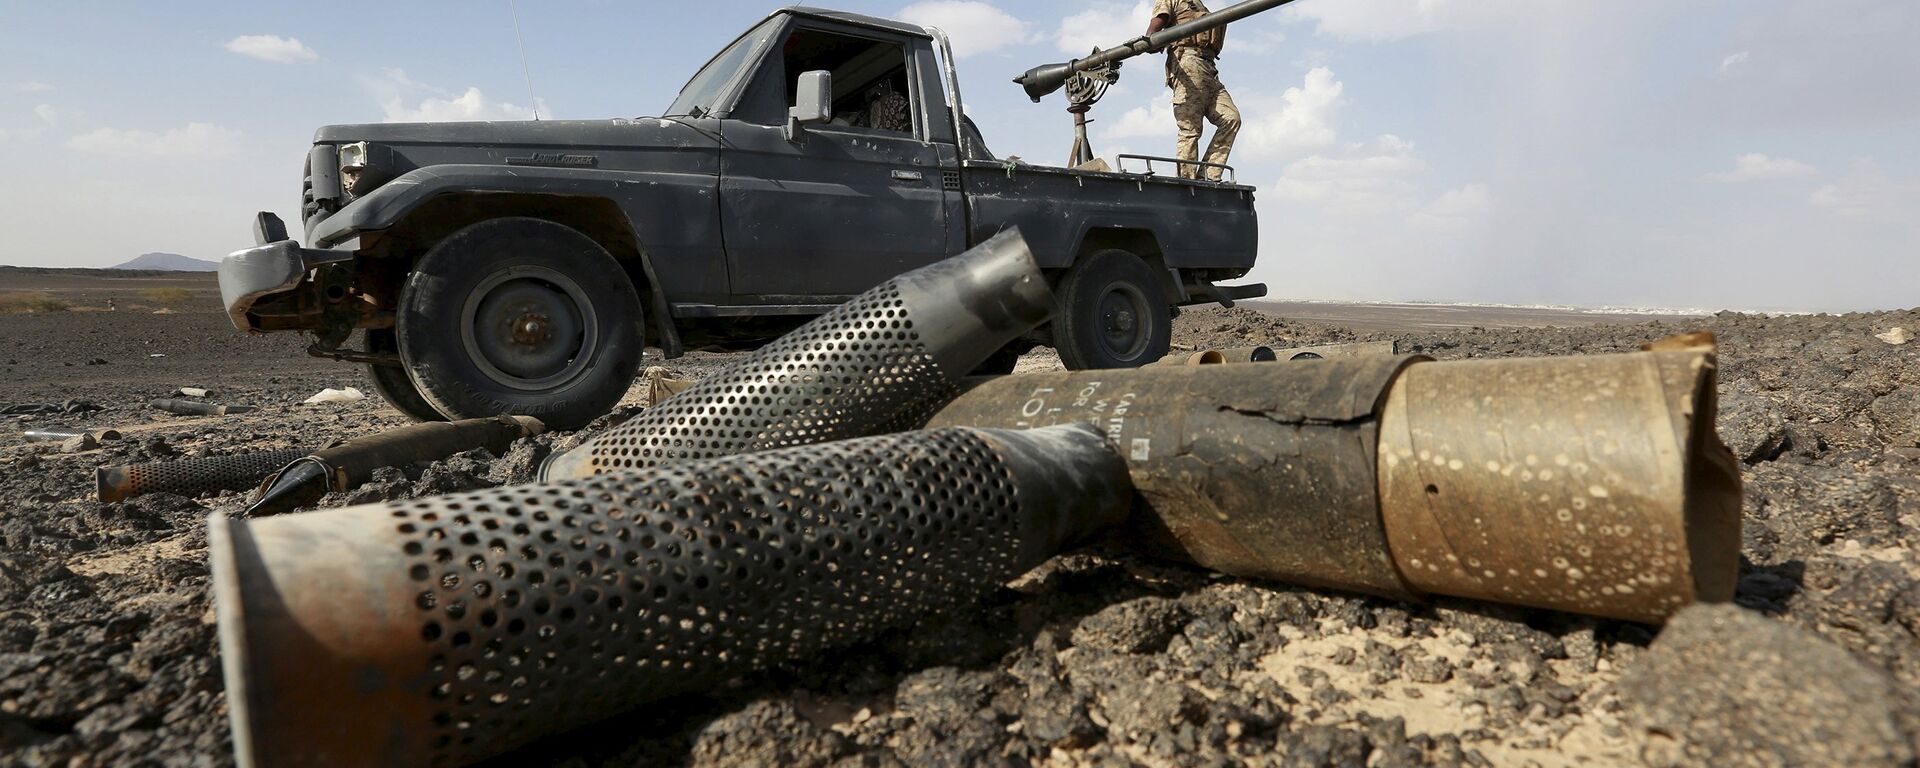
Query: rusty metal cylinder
1588	484
446	630
194	408
1248	354
877	364
305	479
1277	472
1201	357
191	477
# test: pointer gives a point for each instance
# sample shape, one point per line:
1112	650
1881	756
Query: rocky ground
107	651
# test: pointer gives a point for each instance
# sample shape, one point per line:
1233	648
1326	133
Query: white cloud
1363	179
1378	20
1104	25
975	27
405	100
47	114
1868	193
1306	120
1759	167
1735	63
1456	210
273	48
194	139
31	86
1155	120
468	106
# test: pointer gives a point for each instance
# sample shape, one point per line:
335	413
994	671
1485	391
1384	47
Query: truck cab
523	267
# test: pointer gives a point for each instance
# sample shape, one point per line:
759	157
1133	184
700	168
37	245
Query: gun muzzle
1587	484
879	363
304	479
446	630
191	477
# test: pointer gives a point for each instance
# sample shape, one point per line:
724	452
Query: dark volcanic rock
1732	687
1100	658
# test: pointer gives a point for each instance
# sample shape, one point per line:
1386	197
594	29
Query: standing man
1197	92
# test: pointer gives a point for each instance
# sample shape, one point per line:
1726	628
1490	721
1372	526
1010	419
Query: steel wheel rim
529	328
1121	320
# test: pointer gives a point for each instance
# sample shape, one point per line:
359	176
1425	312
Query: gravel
1100	657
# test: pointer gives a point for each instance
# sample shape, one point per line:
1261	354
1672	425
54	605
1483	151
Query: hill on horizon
168	262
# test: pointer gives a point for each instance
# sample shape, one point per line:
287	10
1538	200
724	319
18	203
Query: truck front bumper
271	268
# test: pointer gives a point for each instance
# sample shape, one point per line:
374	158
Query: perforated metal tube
446	630
879	363
191	477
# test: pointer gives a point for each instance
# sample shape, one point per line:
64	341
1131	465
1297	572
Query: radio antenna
532	101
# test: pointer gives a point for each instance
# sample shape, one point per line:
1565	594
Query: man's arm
1159	22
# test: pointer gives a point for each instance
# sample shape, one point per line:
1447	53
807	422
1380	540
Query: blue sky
1754	154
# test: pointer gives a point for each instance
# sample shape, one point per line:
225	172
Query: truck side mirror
812	103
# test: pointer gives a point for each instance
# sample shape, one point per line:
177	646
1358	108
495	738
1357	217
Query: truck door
847	204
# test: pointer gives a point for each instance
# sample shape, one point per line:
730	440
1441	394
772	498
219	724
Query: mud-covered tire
1113	313
392	382
521	316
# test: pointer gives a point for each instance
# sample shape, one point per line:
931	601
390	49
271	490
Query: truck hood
616	131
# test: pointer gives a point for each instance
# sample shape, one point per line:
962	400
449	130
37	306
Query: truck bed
1196	223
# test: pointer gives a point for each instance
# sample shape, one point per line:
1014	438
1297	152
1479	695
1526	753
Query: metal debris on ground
877	364
30	409
1591	484
51	433
192	408
305	479
191	477
447	630
1220	357
193	392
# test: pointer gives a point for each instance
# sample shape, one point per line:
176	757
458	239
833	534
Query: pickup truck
524	267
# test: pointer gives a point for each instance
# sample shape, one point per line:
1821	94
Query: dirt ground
108	657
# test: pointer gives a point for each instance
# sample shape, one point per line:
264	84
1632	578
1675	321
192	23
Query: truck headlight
353	162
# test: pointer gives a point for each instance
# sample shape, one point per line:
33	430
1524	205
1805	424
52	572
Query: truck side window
871	88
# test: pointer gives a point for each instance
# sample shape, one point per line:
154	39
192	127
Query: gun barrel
1046	79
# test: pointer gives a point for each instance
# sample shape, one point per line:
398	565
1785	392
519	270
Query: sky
1698	154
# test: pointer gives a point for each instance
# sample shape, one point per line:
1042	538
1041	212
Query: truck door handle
908	176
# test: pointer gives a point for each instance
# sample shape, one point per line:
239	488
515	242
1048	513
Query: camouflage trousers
1198	95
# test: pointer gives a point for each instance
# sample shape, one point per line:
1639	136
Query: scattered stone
1732	687
85	441
1897	336
1136	626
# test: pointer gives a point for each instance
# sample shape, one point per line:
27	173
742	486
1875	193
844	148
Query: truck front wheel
392	382
524	317
1112	314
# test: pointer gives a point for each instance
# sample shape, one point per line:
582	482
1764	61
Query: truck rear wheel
392	382
521	316
1112	313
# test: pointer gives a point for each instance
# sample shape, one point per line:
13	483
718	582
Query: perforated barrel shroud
445	630
877	364
192	477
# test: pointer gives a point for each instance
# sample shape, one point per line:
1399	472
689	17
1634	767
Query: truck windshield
704	89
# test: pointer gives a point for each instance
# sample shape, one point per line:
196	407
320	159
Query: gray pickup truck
523	267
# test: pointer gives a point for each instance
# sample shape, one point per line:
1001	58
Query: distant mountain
168	262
